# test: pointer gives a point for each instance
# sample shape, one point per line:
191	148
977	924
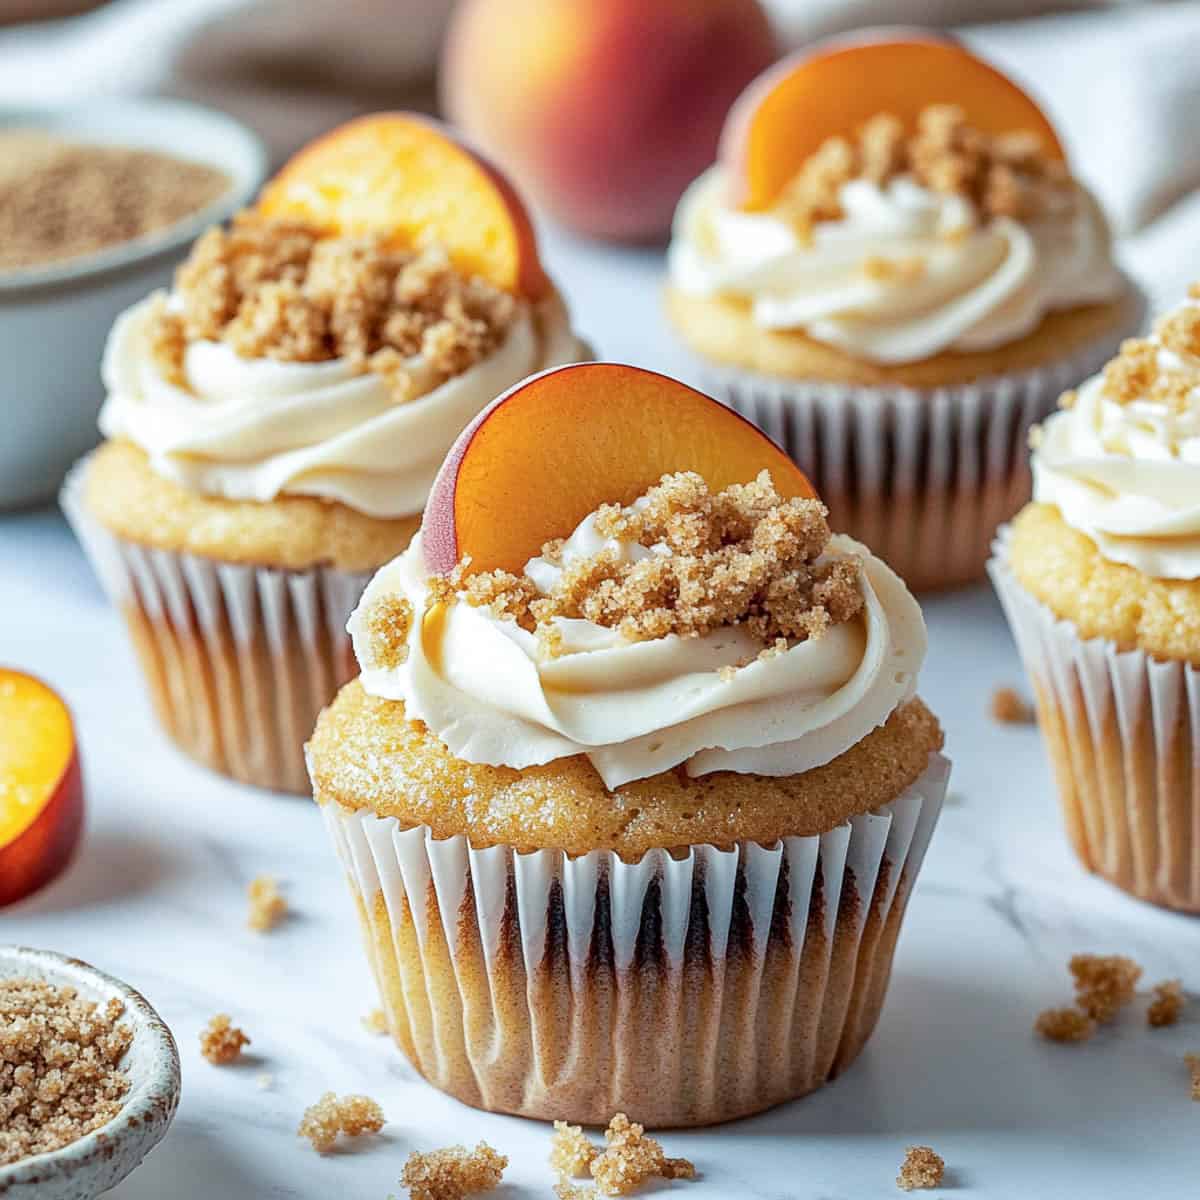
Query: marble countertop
156	896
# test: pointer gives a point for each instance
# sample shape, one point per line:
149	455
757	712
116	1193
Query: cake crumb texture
922	1168
332	1115
452	1173
267	905
222	1042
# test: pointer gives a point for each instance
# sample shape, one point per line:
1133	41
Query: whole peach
606	110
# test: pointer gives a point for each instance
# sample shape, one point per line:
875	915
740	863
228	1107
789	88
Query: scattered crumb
222	1042
571	1151
630	1158
376	1022
922	1168
1141	371
1166	1005
267	905
1009	708
283	290
265	1081
60	1075
1064	1025
351	1115
1104	983
1193	1065
453	1173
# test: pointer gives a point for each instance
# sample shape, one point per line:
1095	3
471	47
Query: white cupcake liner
681	990
1123	733
239	659
923	476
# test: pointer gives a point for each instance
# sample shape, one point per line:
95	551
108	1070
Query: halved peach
41	787
408	176
834	88
558	445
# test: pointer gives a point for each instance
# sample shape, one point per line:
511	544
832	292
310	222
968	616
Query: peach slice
832	89
558	445
408	176
41	787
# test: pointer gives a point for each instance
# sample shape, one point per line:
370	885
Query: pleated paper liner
1122	731
680	990
923	476
238	660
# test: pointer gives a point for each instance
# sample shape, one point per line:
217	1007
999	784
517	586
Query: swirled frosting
256	428
1122	462
981	284
636	708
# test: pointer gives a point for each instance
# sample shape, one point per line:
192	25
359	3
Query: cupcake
1100	580
893	273
274	423
634	785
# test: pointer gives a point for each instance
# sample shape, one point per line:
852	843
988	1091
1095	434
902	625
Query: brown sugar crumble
1193	1065
222	1042
741	556
1009	708
629	1159
571	1151
1141	371
332	1115
388	619
285	291
1064	1025
1005	175
453	1173
267	905
1104	983
60	1074
61	199
1166	1004
922	1168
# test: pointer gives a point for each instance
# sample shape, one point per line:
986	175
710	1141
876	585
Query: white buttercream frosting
1127	474
635	708
982	284
255	429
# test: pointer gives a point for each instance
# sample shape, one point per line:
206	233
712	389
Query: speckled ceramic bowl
99	1161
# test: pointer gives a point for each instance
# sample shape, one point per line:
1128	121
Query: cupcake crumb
452	1173
267	904
1193	1065
922	1168
222	1042
1009	708
332	1115
1064	1025
571	1151
1141	371
1166	1004
1104	983
375	1022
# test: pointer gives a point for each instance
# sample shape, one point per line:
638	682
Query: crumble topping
388	620
1103	983
267	904
60	1076
1166	1005
222	1042
1009	708
741	556
283	290
331	1115
628	1160
1064	1025
452	1173
1193	1065
922	1168
1141	371
1006	175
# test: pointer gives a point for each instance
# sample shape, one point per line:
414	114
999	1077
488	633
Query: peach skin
835	87
607	110
408	175
594	433
41	786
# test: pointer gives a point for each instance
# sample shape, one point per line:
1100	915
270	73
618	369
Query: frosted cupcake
274	423
1100	579
631	817
892	271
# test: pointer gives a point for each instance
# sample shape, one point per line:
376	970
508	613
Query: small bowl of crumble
98	205
89	1077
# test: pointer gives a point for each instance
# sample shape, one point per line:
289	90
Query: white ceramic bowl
90	1166
54	319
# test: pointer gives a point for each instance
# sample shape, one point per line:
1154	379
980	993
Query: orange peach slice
560	444
833	89
41	787
407	176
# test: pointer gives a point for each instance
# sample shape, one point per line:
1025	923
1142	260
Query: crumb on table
267	904
1166	1004
1193	1065
376	1022
332	1115
1009	708
571	1150
222	1042
1064	1025
630	1158
452	1173
1104	983
922	1168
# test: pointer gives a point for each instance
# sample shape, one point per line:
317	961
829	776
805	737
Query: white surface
157	897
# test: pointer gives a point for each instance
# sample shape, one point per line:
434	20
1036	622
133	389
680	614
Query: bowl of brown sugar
97	207
89	1077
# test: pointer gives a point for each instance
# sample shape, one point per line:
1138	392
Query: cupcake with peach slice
893	272
275	421
634	784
